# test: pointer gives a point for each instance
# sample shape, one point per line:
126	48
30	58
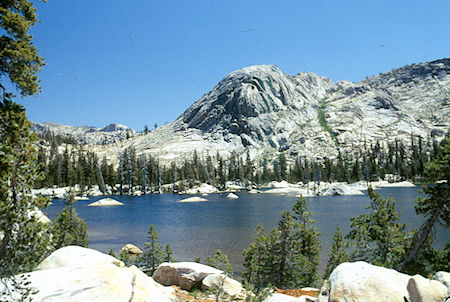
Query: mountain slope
86	134
261	110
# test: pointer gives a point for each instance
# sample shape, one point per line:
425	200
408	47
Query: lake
199	229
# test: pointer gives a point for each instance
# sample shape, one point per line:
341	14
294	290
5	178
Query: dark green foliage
68	228
378	237
20	60
168	254
221	262
288	256
25	241
435	207
338	254
153	254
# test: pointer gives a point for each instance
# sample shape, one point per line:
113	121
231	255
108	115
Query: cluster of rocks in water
80	274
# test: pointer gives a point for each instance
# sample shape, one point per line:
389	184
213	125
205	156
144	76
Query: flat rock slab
79	274
105	202
193	199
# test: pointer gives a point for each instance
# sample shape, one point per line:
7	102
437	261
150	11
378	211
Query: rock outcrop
263	111
421	289
79	274
183	274
360	281
105	202
112	133
363	282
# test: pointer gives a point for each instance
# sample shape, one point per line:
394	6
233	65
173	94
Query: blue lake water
199	229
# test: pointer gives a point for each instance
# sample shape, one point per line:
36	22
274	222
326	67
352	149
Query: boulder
360	281
193	199
230	286
183	274
444	278
105	202
81	198
81	274
202	189
421	289
232	196
131	249
342	190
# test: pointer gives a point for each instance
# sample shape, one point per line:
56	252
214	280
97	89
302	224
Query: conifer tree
378	237
168	254
24	240
68	228
153	254
436	206
221	262
338	254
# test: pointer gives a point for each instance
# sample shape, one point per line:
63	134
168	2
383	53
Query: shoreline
311	189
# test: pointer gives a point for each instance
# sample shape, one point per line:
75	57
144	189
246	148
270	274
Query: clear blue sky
139	62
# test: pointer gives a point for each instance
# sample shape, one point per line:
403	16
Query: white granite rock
232	196
230	286
444	278
78	274
105	202
421	289
341	189
363	282
193	199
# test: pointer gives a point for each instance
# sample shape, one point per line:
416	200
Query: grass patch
323	121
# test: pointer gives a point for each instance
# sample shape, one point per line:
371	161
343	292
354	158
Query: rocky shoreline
75	273
307	190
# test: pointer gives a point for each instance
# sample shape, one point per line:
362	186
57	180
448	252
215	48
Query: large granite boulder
183	274
444	278
421	289
363	282
80	274
230	286
131	250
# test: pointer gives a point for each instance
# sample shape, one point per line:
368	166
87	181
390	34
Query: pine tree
153	254
338	254
378	237
309	242
168	254
436	207
68	228
24	240
288	256
221	262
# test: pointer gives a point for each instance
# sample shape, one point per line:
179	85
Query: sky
143	62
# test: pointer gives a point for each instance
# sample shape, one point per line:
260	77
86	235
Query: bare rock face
79	274
230	286
421	289
263	111
86	134
363	282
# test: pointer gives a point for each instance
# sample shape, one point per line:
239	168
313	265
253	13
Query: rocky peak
244	94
